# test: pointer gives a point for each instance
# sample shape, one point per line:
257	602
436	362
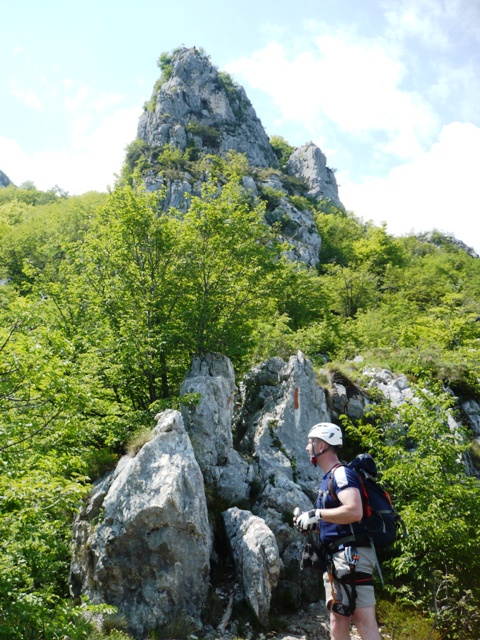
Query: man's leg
366	623
339	626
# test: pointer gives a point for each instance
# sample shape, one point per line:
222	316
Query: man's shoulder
343	477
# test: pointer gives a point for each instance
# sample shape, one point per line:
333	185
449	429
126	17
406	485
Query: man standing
348	582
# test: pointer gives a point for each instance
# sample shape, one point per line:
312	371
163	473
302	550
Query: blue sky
389	90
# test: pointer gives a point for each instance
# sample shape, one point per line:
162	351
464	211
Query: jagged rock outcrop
441	239
143	542
199	110
297	227
309	163
200	107
256	557
396	389
4	180
280	403
209	423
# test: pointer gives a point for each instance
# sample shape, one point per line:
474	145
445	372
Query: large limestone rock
280	403
256	557
309	163
209	423
143	543
199	106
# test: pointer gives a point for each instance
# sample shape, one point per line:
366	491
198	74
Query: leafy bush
164	63
421	455
210	135
404	623
282	150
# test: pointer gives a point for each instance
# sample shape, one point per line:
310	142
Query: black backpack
380	518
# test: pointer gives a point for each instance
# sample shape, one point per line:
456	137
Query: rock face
394	388
143	543
281	402
198	106
199	110
4	180
256	557
309	163
144	519
209	423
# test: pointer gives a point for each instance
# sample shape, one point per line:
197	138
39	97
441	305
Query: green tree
377	250
338	229
148	290
350	289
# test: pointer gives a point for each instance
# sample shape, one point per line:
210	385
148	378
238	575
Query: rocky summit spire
199	110
196	106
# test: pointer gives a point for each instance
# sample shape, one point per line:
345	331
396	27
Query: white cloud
419	19
27	96
78	100
90	164
438	190
436	24
106	100
354	84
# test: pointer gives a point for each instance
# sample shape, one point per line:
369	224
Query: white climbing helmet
327	431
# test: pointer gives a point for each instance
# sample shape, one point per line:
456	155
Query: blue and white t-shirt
342	478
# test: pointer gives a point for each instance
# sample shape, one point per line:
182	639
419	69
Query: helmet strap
314	456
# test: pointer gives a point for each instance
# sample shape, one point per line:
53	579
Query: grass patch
403	623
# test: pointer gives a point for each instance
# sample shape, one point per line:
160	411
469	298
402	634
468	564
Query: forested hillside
105	298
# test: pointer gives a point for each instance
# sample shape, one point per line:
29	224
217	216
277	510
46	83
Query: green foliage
28	194
421	456
210	135
35	237
165	64
300	202
271	196
227	83
339	230
135	157
103	301
282	150
355	288
405	623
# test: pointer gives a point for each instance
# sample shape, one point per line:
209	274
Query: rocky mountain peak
309	163
200	110
193	105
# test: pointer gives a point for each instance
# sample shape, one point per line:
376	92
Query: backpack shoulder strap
330	480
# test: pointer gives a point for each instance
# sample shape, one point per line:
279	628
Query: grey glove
307	520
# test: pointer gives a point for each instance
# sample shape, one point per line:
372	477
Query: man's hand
307	520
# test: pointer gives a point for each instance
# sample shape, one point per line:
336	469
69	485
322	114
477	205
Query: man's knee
339	626
366	622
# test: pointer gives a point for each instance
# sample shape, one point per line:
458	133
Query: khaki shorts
365	564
